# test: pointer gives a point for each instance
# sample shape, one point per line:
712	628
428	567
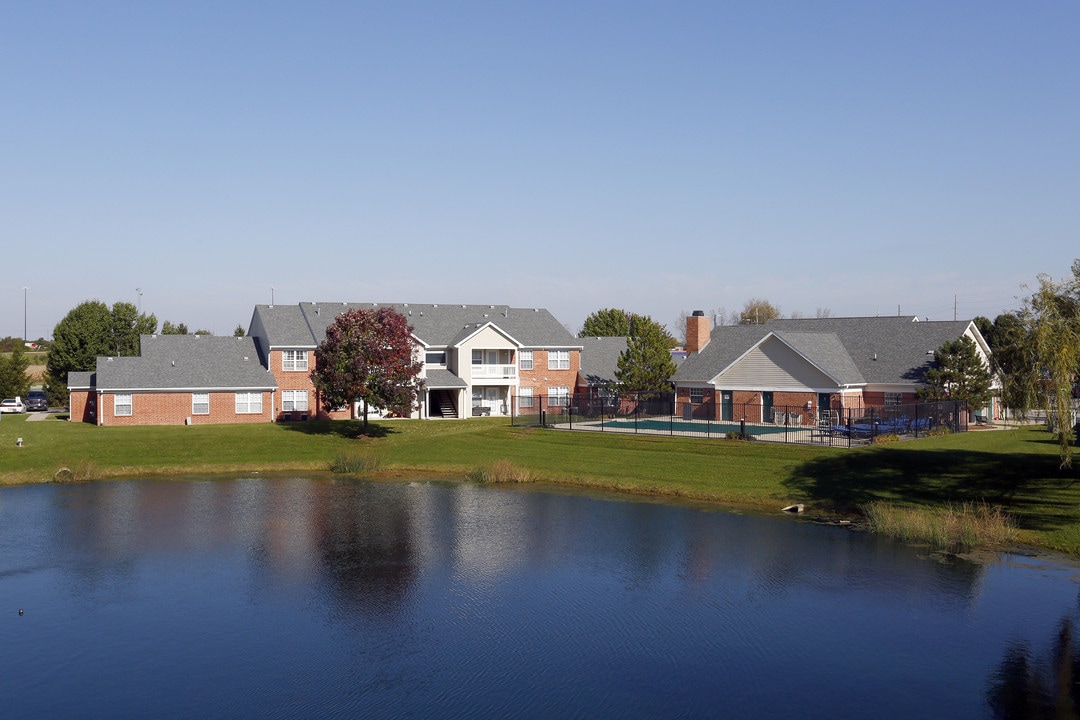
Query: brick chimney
697	331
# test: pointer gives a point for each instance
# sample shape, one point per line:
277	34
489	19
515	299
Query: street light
139	290
24	315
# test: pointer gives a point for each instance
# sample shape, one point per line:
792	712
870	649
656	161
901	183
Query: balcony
497	372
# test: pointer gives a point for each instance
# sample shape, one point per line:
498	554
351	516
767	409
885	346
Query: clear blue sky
659	156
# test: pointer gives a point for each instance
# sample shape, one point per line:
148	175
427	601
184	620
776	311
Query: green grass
1016	470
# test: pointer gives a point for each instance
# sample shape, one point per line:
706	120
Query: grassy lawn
1017	469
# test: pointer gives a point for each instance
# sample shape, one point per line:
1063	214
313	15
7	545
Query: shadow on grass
1029	486
349	429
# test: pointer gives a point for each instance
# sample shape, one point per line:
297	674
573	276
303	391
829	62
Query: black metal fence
663	414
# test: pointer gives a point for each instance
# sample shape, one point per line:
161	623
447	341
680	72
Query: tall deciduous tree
1052	316
757	311
368	357
959	373
91	330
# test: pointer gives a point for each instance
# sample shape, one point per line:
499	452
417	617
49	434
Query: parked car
36	401
12	405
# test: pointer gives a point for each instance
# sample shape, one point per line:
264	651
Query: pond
321	597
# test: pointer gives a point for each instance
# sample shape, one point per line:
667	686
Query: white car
12	405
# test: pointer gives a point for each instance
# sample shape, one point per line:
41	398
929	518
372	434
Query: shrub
952	527
85	471
500	471
887	438
356	463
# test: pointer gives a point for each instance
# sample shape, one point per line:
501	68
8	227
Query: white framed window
525	359
697	395
558	396
122	404
525	397
294	360
200	403
437	357
893	399
248	403
558	359
294	400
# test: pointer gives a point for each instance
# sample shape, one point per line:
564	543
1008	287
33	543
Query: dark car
36	401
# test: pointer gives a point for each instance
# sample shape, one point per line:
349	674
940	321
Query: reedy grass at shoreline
1016	470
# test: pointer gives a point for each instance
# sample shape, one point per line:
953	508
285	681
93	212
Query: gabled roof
600	359
435	325
186	362
440	378
853	351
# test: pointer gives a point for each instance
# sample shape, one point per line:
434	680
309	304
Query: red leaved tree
367	357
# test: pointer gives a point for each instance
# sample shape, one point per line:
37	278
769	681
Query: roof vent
875	356
434	306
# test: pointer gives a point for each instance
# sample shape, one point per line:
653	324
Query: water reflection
333	598
1029	688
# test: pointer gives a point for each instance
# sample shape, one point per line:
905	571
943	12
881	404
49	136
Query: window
558	396
248	403
293	400
525	359
200	403
477	357
525	397
122	404
294	360
558	359
435	358
893	399
697	395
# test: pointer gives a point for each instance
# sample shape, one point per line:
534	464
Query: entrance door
766	407
823	401
491	399
726	406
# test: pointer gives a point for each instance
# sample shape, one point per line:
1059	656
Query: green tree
1013	355
91	330
646	365
14	382
757	311
959	373
615	322
609	322
239	331
367	356
1052	317
168	328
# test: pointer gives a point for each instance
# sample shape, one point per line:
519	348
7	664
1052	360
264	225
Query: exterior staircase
441	404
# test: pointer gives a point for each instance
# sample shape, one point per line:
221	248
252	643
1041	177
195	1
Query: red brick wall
81	405
300	380
175	408
540	378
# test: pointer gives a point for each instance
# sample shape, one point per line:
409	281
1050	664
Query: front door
766	407
491	399
727	411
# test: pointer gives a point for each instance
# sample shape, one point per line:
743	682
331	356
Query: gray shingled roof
439	378
187	362
437	325
873	350
600	358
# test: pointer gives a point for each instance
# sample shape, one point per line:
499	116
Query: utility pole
954	307
24	315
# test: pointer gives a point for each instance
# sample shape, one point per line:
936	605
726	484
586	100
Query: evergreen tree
959	373
646	365
14	382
